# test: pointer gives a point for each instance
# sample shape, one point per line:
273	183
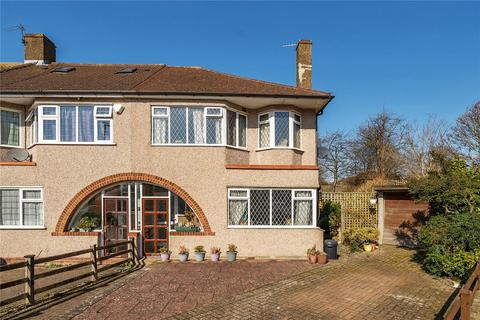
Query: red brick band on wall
67	214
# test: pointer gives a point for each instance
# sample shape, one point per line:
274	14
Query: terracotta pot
322	258
312	258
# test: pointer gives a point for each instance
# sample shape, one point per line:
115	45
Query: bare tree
333	156
421	143
377	146
466	133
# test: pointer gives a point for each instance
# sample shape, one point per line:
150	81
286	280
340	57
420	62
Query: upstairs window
279	129
198	126
10	128
72	124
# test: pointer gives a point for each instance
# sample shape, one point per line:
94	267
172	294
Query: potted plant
183	254
165	254
88	222
322	257
232	252
199	253
361	238
215	251
312	254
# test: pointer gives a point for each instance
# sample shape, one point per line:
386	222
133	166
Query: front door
116	222
155	225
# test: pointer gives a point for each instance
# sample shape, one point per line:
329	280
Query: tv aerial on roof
18	27
19	155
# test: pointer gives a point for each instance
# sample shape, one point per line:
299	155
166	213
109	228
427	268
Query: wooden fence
461	306
357	211
93	262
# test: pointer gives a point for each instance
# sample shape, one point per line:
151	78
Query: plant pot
164	256
199	256
215	257
231	256
322	259
312	258
367	247
183	257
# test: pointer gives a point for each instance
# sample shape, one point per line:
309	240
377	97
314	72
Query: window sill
23	228
77	233
19	164
279	148
71	144
198	145
9	146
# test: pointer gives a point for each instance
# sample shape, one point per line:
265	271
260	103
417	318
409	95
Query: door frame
155	226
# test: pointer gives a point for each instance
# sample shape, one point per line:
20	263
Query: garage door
403	219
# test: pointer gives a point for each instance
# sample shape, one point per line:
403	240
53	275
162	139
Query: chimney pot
39	49
304	64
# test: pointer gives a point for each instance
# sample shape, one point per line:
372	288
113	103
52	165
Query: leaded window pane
214	130
9	207
281	129
178	130
10	124
68	124
103	130
238	193
32	213
160	111
160	130
242	130
231	128
32	194
260	207
86	124
49	129
302	214
281	207
265	135
238	212
196	126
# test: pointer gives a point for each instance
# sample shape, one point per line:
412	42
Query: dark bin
331	249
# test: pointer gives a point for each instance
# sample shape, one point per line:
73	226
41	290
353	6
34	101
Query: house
170	155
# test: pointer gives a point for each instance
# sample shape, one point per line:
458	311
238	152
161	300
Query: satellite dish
18	155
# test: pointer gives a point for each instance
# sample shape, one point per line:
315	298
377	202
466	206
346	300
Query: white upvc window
198	125
72	124
279	129
272	208
21	207
10	128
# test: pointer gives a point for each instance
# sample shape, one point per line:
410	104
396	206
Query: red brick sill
131	235
19	164
270	167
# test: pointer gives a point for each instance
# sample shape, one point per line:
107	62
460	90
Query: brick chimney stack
304	64
39	49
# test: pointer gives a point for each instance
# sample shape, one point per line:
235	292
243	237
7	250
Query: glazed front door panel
155	224
115	222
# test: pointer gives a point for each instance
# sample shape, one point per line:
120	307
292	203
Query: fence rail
461	306
30	277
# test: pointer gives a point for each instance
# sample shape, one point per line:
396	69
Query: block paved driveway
383	285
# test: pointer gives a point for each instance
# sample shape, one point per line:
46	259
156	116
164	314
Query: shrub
313	251
182	250
451	244
330	218
199	249
164	250
90	221
232	248
215	250
357	237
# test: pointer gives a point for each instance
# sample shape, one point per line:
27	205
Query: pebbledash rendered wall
65	170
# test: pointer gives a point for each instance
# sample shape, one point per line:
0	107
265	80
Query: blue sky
411	58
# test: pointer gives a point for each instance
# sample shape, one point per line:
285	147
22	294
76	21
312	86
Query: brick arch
96	186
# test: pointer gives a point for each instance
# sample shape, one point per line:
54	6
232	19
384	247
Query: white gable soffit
313	103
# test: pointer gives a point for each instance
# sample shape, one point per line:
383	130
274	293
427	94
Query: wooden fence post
30	274
465	304
93	257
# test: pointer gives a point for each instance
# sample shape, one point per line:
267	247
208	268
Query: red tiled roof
147	79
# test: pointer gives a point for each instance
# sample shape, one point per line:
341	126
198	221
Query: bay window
71	124
195	125
279	129
271	208
10	127
21	207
